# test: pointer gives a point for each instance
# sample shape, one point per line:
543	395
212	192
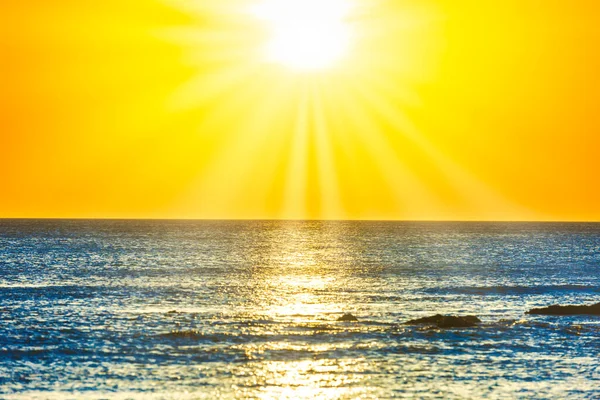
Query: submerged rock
347	318
593	309
447	321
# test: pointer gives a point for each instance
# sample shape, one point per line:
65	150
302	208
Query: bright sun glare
305	34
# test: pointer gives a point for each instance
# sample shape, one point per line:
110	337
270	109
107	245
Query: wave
516	290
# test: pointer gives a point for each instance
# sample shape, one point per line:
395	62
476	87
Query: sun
305	34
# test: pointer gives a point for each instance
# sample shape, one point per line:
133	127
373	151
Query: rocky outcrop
593	309
446	321
347	318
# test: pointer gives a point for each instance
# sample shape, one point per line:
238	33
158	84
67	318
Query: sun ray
480	197
254	141
310	163
331	202
295	198
209	86
410	193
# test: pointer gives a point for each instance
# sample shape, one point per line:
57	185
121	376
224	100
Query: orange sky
459	110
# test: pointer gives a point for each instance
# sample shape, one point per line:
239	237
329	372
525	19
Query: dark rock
447	321
458	322
593	309
347	318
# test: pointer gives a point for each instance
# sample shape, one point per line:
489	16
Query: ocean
105	309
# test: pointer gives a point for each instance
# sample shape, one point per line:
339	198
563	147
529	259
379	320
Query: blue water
209	309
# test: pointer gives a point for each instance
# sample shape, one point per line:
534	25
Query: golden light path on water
298	289
292	283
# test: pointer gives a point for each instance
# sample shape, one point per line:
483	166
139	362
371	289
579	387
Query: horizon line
296	220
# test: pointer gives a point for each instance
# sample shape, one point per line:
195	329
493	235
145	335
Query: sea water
247	309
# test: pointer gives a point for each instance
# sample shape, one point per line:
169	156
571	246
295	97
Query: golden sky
431	109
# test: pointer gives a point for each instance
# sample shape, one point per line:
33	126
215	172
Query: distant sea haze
249	309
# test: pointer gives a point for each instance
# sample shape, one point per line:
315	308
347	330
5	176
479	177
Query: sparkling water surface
247	309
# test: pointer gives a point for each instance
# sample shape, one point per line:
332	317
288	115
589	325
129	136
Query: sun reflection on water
308	379
299	288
